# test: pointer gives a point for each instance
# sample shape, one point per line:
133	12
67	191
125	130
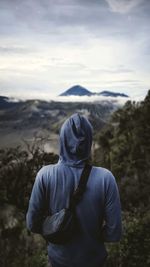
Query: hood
75	140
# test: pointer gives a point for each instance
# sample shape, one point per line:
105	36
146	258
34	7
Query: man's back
99	200
98	212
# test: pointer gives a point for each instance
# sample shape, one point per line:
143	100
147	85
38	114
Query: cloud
123	6
66	21
55	44
56	18
15	50
101	99
112	70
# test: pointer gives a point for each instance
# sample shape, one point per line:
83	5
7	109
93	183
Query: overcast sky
47	46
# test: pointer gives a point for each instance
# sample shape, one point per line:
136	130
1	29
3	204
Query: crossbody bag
62	226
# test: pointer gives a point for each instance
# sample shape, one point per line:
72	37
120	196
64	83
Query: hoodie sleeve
35	213
112	229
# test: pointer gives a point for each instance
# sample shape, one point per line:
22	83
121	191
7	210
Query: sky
47	46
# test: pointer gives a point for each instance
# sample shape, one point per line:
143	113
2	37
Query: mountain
6	102
113	94
78	91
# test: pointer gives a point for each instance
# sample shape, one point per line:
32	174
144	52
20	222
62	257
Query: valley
26	121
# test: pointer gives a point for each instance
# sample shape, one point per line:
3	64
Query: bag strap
78	193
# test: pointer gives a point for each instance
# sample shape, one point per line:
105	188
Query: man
98	213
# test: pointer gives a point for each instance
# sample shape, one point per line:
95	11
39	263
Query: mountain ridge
78	90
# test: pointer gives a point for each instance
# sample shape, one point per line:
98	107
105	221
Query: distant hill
113	94
78	90
5	102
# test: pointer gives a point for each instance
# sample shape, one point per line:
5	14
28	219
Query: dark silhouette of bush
18	169
17	174
124	148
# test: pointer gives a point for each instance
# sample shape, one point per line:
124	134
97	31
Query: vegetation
18	169
124	148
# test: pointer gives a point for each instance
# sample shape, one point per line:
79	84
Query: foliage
133	250
18	169
124	148
17	174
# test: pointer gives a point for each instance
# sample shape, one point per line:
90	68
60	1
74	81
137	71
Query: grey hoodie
98	213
